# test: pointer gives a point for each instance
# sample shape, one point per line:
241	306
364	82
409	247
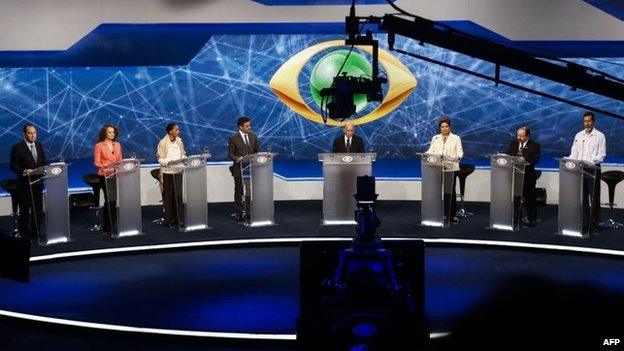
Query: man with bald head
26	156
348	142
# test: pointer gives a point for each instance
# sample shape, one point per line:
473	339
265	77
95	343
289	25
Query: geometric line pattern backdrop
229	77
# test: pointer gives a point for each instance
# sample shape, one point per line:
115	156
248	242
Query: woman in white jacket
449	146
171	148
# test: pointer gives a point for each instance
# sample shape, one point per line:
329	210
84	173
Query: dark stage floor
483	296
303	218
477	296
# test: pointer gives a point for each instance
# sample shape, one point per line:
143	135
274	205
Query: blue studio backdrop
229	77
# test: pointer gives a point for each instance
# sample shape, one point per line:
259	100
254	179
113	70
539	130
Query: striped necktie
33	151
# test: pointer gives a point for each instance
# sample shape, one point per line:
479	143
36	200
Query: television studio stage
238	287
281	175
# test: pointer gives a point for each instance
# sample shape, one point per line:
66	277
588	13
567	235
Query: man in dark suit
348	142
241	144
525	147
27	155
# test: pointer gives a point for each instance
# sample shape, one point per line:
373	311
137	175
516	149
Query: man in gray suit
241	144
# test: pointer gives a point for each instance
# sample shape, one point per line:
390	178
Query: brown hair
444	119
102	136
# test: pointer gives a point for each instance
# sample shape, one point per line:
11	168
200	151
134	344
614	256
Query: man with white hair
348	142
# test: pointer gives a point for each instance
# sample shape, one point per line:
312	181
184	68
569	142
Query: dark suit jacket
357	144
22	159
237	147
532	153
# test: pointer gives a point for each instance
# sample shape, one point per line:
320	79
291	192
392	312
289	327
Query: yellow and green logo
285	82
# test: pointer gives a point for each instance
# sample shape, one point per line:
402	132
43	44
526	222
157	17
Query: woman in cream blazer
448	145
171	148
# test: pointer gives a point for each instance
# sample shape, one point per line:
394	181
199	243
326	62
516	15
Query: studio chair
93	181
155	173
465	169
10	186
612	178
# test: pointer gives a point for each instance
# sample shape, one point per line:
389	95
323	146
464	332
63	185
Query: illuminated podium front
124	187
340	172
54	227
574	177
257	175
192	190
436	184
506	182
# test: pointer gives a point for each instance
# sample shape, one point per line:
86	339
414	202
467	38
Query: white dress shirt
243	135
346	139
522	145
452	147
589	147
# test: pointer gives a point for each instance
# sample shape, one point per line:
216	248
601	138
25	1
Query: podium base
572	233
129	233
437	224
194	228
503	227
338	222
43	242
259	224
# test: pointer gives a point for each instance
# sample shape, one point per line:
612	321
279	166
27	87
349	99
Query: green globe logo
327	67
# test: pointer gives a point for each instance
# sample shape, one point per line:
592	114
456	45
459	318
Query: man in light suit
241	144
26	156
348	142
527	148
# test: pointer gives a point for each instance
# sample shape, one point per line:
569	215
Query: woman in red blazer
108	151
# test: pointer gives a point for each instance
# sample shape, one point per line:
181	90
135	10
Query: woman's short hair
169	127
444	119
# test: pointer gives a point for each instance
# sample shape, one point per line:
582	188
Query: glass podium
574	177
193	192
124	187
54	227
506	183
340	172
257	173
436	184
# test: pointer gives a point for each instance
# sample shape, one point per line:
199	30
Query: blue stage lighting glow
365	330
267	296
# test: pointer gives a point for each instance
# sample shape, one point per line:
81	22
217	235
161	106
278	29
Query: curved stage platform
237	288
